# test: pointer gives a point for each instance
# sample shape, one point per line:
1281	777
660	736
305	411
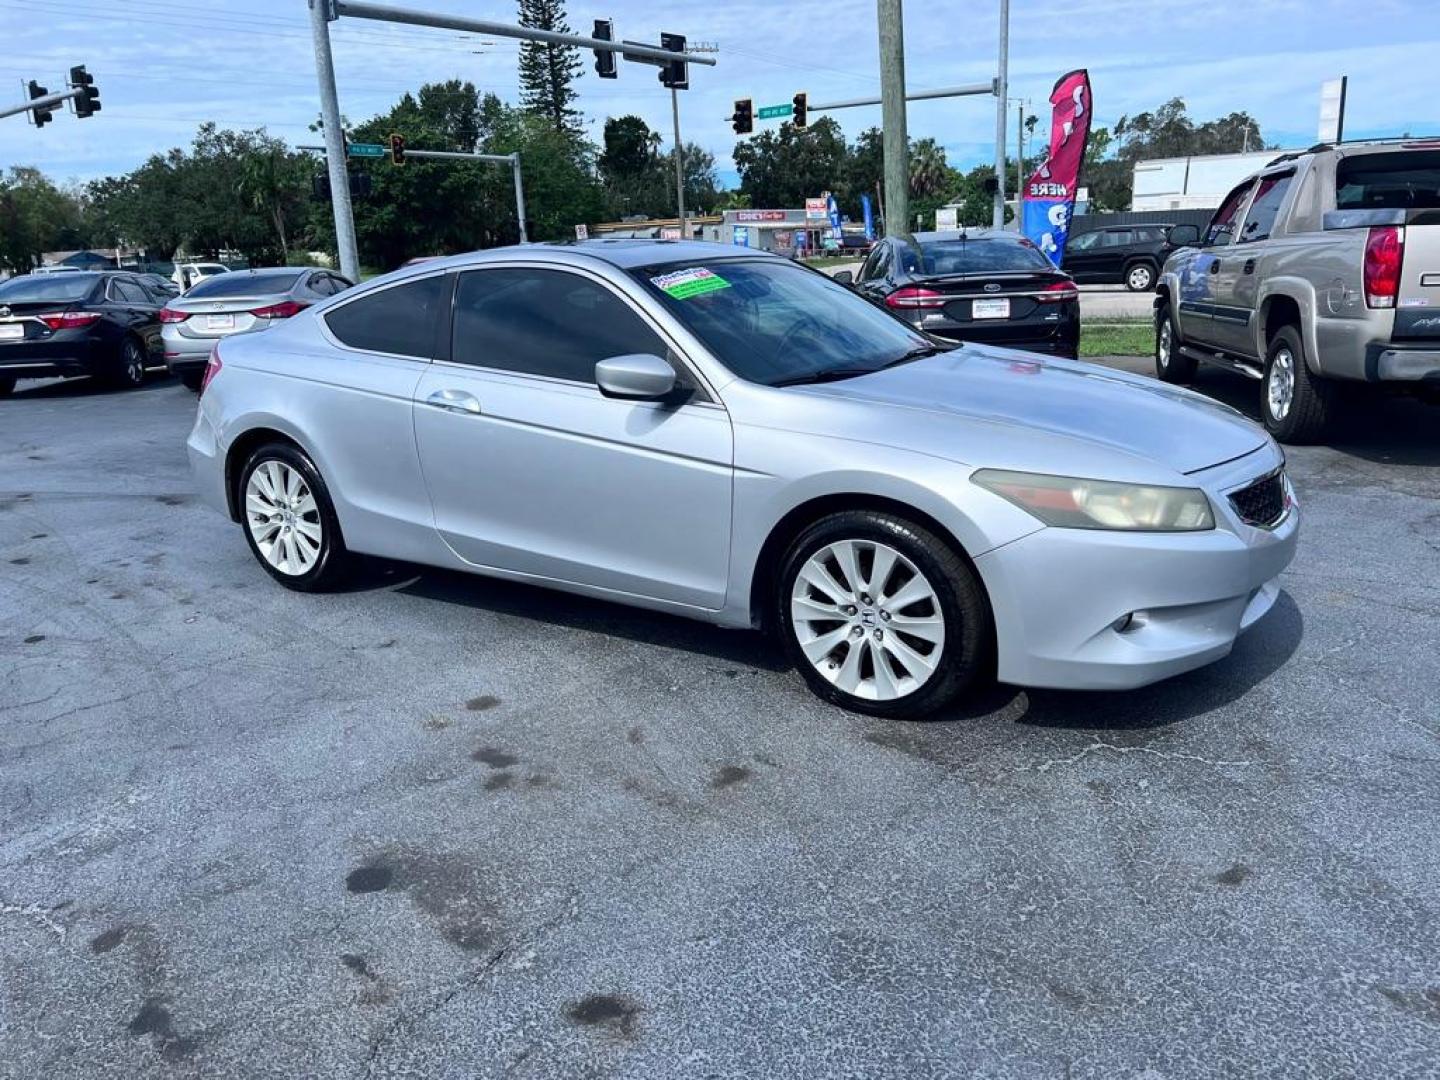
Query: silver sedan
733	437
238	302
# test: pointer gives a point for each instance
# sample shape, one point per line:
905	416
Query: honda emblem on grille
992	287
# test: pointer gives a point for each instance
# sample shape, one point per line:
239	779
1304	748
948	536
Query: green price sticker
684	284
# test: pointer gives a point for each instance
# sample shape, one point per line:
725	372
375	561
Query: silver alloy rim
134	362
1281	387
1162	346
867	619
1139	278
283	518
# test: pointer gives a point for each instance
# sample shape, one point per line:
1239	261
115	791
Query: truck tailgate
1417	307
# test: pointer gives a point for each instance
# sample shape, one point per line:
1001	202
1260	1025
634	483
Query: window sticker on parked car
683	284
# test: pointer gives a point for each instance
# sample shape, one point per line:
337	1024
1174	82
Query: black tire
332	564
191	380
1170	365
7	386
1140	276
962	658
130	361
1311	401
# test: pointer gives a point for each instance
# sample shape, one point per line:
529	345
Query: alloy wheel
1280	384
283	517
134	359
867	619
1162	345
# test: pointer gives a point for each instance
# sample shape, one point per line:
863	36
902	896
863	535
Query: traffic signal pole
43	102
679	164
321	12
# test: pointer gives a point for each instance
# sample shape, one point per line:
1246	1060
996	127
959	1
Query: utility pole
679	164
335	159
1001	88
896	141
1020	167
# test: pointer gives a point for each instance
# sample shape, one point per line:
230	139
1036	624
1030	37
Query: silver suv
1322	268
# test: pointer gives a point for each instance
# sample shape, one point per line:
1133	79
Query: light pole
997	218
895	141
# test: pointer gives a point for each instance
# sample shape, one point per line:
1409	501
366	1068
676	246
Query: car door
1201	271
132	306
1114	250
1238	293
532	470
1083	254
872	284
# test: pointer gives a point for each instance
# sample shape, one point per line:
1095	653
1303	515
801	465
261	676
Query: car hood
1023	400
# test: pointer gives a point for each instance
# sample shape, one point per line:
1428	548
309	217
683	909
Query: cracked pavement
441	826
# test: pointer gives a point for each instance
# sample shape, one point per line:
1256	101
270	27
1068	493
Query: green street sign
770	112
365	149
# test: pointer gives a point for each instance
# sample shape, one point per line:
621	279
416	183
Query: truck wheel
1140	277
7	386
1296	404
1170	365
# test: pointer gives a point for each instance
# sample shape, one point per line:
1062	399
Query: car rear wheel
881	616
129	371
1296	405
289	520
1140	277
1170	364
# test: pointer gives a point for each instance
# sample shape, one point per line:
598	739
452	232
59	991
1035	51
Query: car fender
1302	294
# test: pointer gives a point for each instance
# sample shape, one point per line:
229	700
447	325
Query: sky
164	67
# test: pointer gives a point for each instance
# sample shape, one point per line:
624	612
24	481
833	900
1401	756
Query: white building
1193	183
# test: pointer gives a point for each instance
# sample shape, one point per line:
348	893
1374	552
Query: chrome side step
1248	368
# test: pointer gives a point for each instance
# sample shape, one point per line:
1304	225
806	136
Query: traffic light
675	74
743	119
88	103
42	116
802	106
397	149
604	60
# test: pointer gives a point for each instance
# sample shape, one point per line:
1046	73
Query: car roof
624	254
966	234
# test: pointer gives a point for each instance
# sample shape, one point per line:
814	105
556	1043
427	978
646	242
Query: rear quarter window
401	319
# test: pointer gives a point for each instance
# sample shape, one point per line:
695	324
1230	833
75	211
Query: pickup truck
1321	269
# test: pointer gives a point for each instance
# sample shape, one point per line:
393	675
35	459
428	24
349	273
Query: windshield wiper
834	374
916	354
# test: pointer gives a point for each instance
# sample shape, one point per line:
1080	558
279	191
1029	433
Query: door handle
1214	266
455	401
1249	266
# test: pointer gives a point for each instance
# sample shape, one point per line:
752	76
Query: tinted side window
1119	238
544	322
1222	225
1266	205
1085	241
127	292
400	319
872	263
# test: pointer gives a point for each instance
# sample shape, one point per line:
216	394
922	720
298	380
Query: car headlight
1073	503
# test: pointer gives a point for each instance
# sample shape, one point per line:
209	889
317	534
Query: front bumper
1057	595
207	462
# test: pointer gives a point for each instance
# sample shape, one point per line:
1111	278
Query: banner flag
1050	191
869	217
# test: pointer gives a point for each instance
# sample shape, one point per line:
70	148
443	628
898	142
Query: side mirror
1183	236
844	277
635	377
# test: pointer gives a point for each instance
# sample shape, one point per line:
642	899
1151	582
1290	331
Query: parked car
728	436
240	302
105	324
187	275
1129	255
1323	269
984	285
159	284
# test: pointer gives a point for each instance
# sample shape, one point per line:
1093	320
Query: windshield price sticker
683	284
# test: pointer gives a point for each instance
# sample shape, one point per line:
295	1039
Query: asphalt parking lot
440	826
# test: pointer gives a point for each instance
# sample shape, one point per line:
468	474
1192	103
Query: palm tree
929	171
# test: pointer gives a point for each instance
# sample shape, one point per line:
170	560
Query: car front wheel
289	520
1140	277
1171	365
881	616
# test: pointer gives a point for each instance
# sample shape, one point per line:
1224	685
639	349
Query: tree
780	170
35	217
546	70
632	170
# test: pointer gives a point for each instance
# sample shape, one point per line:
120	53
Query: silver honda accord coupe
733	437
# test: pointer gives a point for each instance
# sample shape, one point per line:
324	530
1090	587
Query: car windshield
981	256
245	284
772	322
47	288
1393	181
